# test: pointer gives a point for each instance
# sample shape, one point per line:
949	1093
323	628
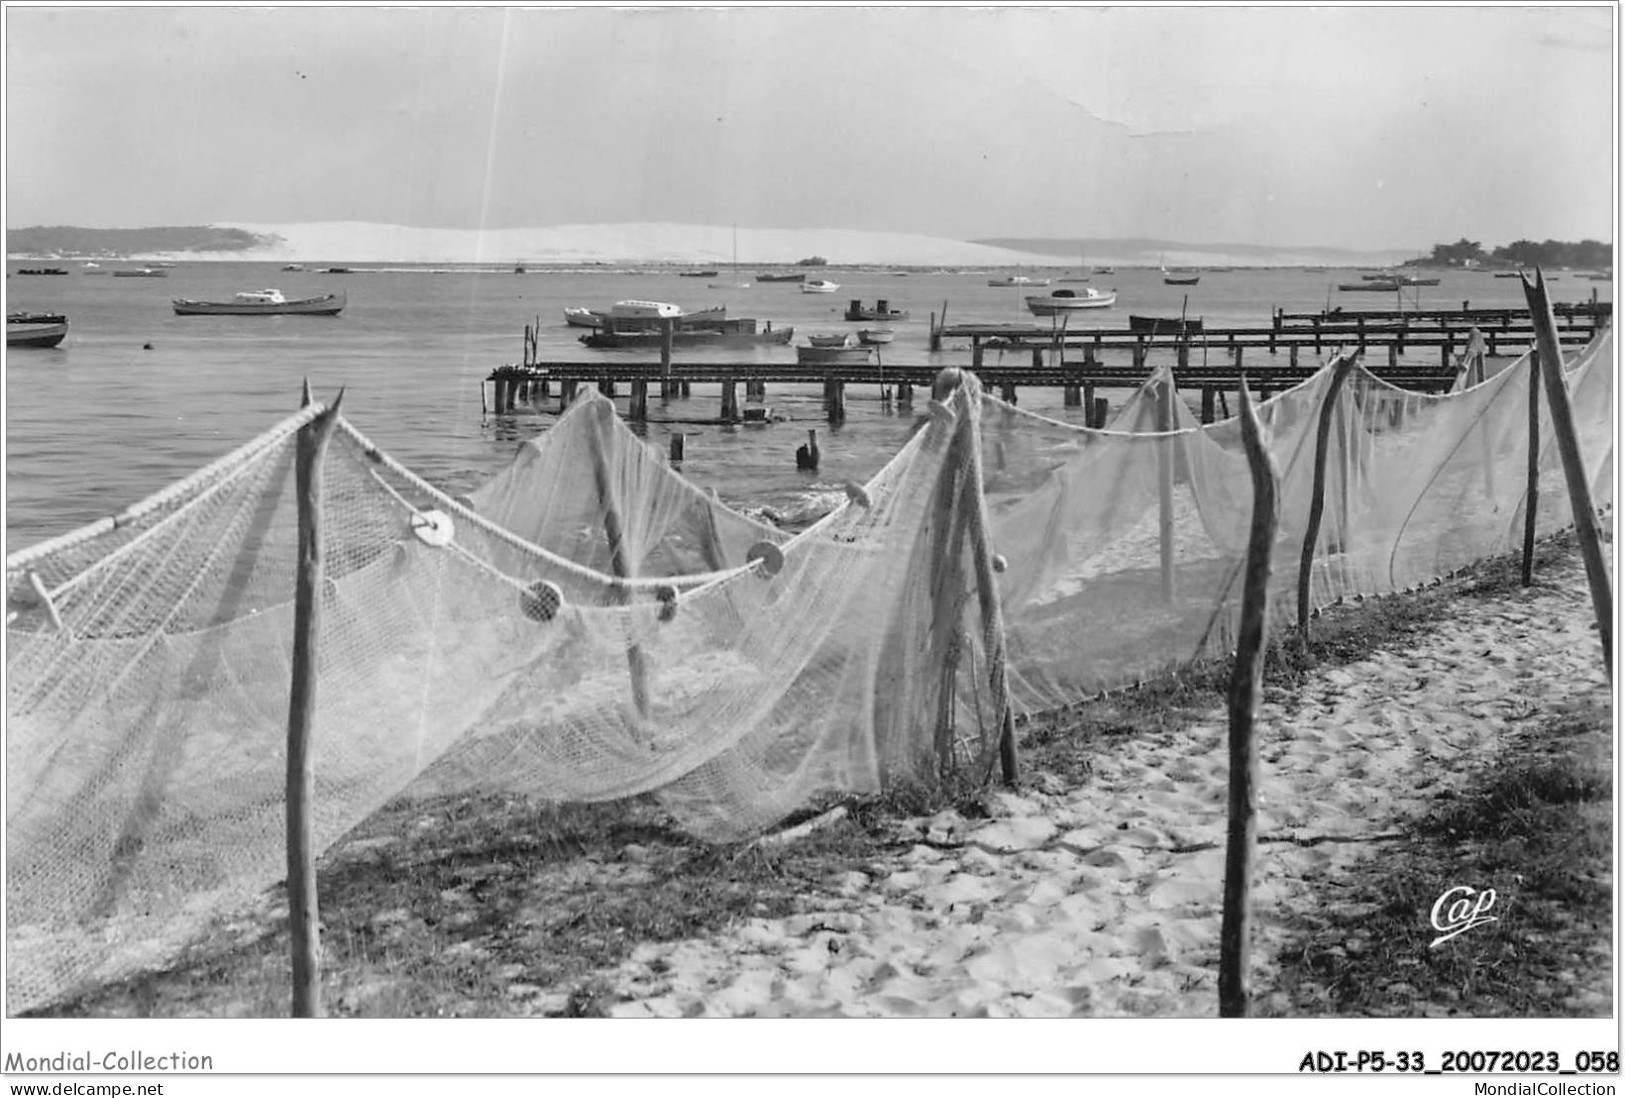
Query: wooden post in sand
1574	471
974	505
1246	683
1531	496
947	582
303	922
1165	485
1317	497
618	559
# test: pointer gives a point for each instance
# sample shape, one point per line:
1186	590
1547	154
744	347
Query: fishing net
589	626
1126	545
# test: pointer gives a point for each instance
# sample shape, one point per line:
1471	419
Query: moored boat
41	271
1165	325
1180	278
781	278
262	303
639	316
1369	287
833	356
740	332
840	340
142	272
35	329
882	310
1067	301
698	274
875	336
819	286
1017	280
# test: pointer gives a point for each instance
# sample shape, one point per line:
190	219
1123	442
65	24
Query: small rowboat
875	336
262	303
829	340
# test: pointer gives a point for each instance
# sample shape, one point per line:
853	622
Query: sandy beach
1103	898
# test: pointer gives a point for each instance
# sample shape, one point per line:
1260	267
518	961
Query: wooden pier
1421	350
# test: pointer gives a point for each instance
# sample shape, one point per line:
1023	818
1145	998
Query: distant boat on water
643	315
698	274
41	271
819	286
1180	278
781	277
262	303
142	272
856	310
1017	280
1065	301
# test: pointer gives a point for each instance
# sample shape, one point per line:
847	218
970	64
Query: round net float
768	556
668	602
433	528
541	600
858	494
999	563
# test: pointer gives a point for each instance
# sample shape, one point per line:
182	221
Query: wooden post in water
668	327
1246	684
675	456
1317	497
303	920
1574	470
1531	496
730	400
638	409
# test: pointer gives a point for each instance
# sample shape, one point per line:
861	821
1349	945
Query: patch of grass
1534	825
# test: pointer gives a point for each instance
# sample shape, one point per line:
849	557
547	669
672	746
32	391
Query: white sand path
1105	899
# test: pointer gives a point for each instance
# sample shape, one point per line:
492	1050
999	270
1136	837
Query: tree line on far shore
1551	254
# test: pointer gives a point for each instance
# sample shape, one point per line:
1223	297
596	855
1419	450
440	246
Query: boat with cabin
1070	301
637	316
35	329
882	310
739	332
269	302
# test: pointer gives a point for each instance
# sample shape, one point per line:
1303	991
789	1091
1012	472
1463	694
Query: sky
1356	126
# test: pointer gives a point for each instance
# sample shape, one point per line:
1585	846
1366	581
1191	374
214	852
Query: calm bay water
100	422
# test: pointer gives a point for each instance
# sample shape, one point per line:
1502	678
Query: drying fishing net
646	640
589	626
1126	545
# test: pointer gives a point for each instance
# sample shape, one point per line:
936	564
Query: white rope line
580	571
239	456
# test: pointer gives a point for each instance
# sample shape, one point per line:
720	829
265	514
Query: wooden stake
1317	499
619	562
974	503
1165	486
303	919
1574	471
1531	496
1246	683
